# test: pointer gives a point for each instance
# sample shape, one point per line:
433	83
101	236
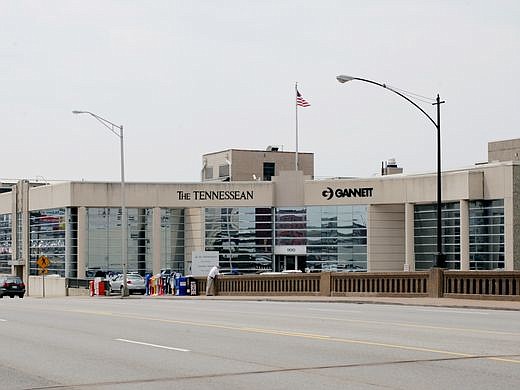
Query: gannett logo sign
329	193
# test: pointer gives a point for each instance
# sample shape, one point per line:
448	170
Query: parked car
135	284
11	286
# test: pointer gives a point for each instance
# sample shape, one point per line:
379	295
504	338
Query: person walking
210	283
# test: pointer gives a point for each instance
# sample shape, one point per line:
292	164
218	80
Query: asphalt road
145	343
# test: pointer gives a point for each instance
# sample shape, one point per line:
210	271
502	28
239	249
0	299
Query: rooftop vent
272	148
391	163
390	167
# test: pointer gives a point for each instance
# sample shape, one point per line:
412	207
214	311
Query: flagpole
296	104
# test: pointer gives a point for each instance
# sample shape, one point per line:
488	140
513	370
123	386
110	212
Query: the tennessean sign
215	195
361	192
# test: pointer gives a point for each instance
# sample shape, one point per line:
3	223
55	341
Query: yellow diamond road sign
43	262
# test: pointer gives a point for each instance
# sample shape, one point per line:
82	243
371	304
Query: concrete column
464	235
82	241
514	262
409	264
436	283
156	240
14	233
508	234
325	284
69	256
24	196
370	210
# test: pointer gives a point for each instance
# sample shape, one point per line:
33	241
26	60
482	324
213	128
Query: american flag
301	101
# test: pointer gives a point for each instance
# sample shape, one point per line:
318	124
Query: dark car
11	286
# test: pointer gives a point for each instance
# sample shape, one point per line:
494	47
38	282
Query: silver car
135	284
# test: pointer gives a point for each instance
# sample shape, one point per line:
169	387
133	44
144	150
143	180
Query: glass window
269	170
223	170
486	234
291	226
425	234
242	236
5	243
172	239
104	243
335	236
47	233
139	240
208	173
19	235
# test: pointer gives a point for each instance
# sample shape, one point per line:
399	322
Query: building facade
257	165
384	223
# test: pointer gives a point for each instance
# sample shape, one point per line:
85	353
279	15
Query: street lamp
439	256
124	235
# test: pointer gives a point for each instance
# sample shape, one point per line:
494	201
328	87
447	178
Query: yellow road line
399	324
294	334
418	326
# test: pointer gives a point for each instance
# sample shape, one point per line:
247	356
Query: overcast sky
191	77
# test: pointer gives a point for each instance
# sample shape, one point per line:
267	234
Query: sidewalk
433	302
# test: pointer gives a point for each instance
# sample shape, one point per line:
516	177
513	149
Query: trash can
181	286
101	287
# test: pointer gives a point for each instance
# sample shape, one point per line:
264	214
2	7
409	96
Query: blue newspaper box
181	286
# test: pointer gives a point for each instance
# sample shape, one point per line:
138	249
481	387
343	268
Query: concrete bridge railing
433	283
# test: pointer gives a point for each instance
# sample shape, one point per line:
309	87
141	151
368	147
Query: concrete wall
515	262
246	163
397	189
54	286
289	189
508	150
386	237
193	234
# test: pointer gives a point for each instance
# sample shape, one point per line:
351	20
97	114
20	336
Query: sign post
43	262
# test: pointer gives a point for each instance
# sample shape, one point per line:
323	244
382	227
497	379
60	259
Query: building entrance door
289	263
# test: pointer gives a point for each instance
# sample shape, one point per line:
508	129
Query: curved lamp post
124	235
439	256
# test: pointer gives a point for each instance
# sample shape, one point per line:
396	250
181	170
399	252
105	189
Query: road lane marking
504	360
398	324
153	345
284	333
419	326
336	310
302	335
454	311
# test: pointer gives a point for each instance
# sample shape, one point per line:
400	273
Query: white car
135	284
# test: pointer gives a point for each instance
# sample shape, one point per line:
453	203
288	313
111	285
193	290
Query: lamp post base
124	292
439	260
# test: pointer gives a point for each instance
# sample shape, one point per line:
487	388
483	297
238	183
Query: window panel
425	234
486	234
47	237
5	243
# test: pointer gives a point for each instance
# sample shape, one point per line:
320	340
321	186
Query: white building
383	223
